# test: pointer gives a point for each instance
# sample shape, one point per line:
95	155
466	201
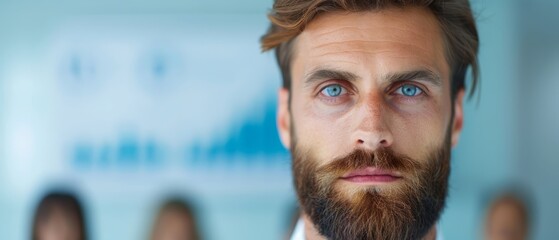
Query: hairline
290	47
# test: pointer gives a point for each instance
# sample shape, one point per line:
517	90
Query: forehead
388	38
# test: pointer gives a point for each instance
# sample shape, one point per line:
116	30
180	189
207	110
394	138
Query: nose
373	130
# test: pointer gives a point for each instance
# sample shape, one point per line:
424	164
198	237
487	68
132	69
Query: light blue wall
485	157
539	77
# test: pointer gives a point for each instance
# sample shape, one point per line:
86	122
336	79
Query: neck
310	231
312	234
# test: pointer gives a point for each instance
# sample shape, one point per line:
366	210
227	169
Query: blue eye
409	90
333	90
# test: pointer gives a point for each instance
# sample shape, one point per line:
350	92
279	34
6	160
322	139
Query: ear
283	118
458	122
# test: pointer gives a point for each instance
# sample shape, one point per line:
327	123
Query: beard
403	210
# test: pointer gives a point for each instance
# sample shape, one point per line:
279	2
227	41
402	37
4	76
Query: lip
371	175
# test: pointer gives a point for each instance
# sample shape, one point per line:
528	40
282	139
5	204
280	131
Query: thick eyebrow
417	75
323	74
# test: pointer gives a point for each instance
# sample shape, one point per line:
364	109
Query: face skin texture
506	220
369	81
173	225
59	226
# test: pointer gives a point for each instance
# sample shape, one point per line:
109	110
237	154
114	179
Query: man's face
370	121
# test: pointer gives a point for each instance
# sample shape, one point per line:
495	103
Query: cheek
324	134
417	134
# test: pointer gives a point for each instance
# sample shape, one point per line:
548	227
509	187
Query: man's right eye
333	90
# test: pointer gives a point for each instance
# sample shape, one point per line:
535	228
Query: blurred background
126	103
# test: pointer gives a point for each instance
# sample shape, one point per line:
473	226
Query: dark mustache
384	158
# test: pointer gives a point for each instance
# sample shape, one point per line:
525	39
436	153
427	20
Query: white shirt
299	232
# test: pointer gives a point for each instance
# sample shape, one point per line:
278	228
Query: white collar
299	231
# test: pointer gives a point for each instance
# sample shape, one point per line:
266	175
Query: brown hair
67	203
518	198
289	18
183	207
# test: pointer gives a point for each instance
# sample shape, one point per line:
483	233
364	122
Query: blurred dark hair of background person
508	217
59	216
176	220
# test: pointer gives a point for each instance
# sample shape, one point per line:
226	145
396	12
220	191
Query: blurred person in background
59	216
370	107
175	220
508	218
